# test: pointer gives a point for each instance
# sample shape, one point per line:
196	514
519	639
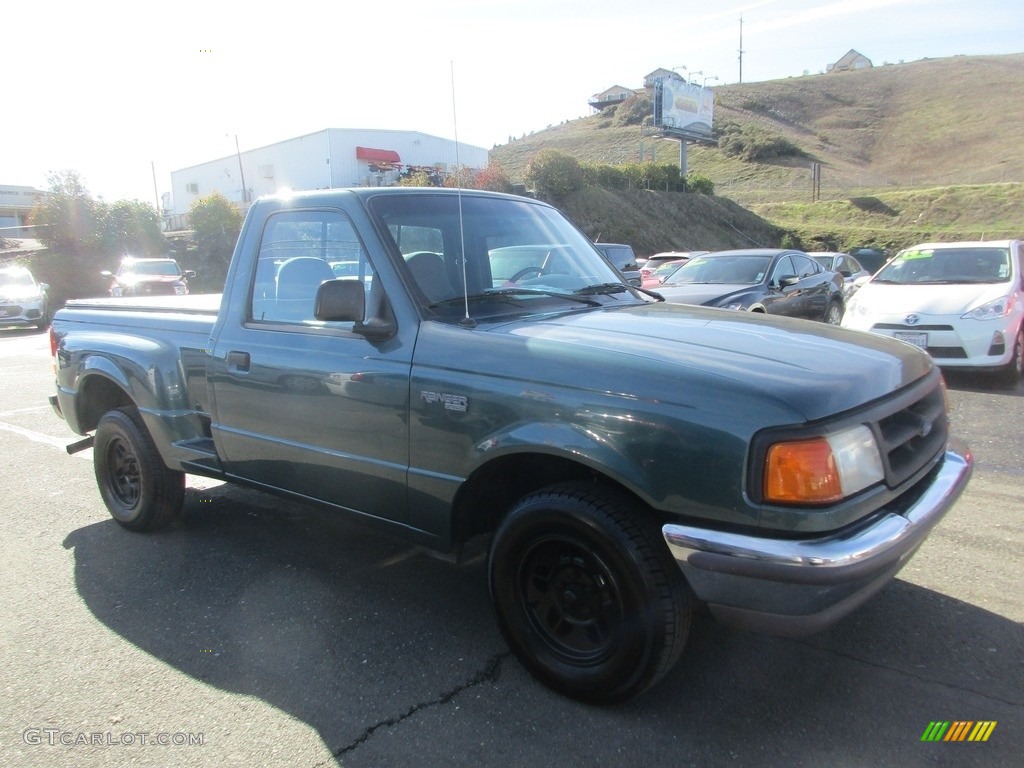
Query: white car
962	302
23	301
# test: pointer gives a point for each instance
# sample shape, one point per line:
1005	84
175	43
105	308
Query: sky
124	93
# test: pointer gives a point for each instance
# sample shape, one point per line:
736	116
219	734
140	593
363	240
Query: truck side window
298	251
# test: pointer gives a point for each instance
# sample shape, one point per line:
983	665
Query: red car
655	261
149	277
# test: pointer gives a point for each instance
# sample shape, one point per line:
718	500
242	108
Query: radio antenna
466	321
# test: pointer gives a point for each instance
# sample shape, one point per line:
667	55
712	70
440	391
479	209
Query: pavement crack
490	673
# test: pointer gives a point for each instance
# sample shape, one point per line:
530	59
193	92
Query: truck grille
911	435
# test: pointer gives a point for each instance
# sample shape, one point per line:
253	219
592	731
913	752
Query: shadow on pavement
349	631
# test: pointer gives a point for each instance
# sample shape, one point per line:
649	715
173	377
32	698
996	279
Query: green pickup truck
454	364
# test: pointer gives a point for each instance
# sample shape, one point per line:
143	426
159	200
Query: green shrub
700	185
752	144
554	174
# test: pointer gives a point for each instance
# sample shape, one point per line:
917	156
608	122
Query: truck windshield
489	247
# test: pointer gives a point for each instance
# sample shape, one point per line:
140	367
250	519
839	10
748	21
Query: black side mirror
340	301
345	301
787	280
189	273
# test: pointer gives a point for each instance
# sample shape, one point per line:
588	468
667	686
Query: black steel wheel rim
572	600
125	477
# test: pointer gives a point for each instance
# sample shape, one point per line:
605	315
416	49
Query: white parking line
39	437
33	409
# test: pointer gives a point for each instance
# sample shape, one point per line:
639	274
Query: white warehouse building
335	157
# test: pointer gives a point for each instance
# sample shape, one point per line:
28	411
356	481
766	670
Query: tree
494	178
68	218
131	227
215	224
554	174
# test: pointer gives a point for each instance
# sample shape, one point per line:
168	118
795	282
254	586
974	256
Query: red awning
377	155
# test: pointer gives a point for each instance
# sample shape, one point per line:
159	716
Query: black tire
834	313
586	593
140	491
1011	373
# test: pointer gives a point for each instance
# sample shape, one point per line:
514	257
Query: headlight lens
824	469
996	308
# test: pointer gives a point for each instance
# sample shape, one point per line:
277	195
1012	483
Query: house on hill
651	77
606	98
849	62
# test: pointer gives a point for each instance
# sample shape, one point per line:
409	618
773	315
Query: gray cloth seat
297	282
428	270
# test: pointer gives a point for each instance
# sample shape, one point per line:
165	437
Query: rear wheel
586	593
140	491
834	313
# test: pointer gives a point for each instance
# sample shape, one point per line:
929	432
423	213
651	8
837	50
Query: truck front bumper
796	587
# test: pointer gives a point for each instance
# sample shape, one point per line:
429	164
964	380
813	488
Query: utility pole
741	48
245	192
156	193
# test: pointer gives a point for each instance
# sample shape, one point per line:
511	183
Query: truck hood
813	369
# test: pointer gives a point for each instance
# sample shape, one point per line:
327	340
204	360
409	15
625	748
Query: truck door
302	405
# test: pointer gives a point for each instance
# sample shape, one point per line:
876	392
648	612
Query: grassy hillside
658	221
908	151
896	219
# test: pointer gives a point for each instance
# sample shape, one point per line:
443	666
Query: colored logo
958	730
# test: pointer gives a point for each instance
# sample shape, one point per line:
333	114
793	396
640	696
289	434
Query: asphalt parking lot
256	632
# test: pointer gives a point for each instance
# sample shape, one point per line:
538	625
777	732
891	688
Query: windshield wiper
602	289
508	295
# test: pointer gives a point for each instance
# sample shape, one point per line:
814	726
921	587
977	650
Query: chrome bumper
796	587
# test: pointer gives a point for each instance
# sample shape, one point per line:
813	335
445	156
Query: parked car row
962	302
25	302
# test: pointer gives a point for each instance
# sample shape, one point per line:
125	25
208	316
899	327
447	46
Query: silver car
854	274
23	301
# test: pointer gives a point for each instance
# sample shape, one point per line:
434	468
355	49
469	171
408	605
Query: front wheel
1011	373
140	491
586	593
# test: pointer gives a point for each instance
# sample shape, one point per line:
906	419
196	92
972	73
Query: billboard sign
683	109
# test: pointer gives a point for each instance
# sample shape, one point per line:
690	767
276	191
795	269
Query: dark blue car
773	281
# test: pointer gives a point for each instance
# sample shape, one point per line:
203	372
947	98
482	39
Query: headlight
180	290
996	308
822	470
732	305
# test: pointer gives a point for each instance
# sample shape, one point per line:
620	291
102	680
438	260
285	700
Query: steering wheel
526	271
